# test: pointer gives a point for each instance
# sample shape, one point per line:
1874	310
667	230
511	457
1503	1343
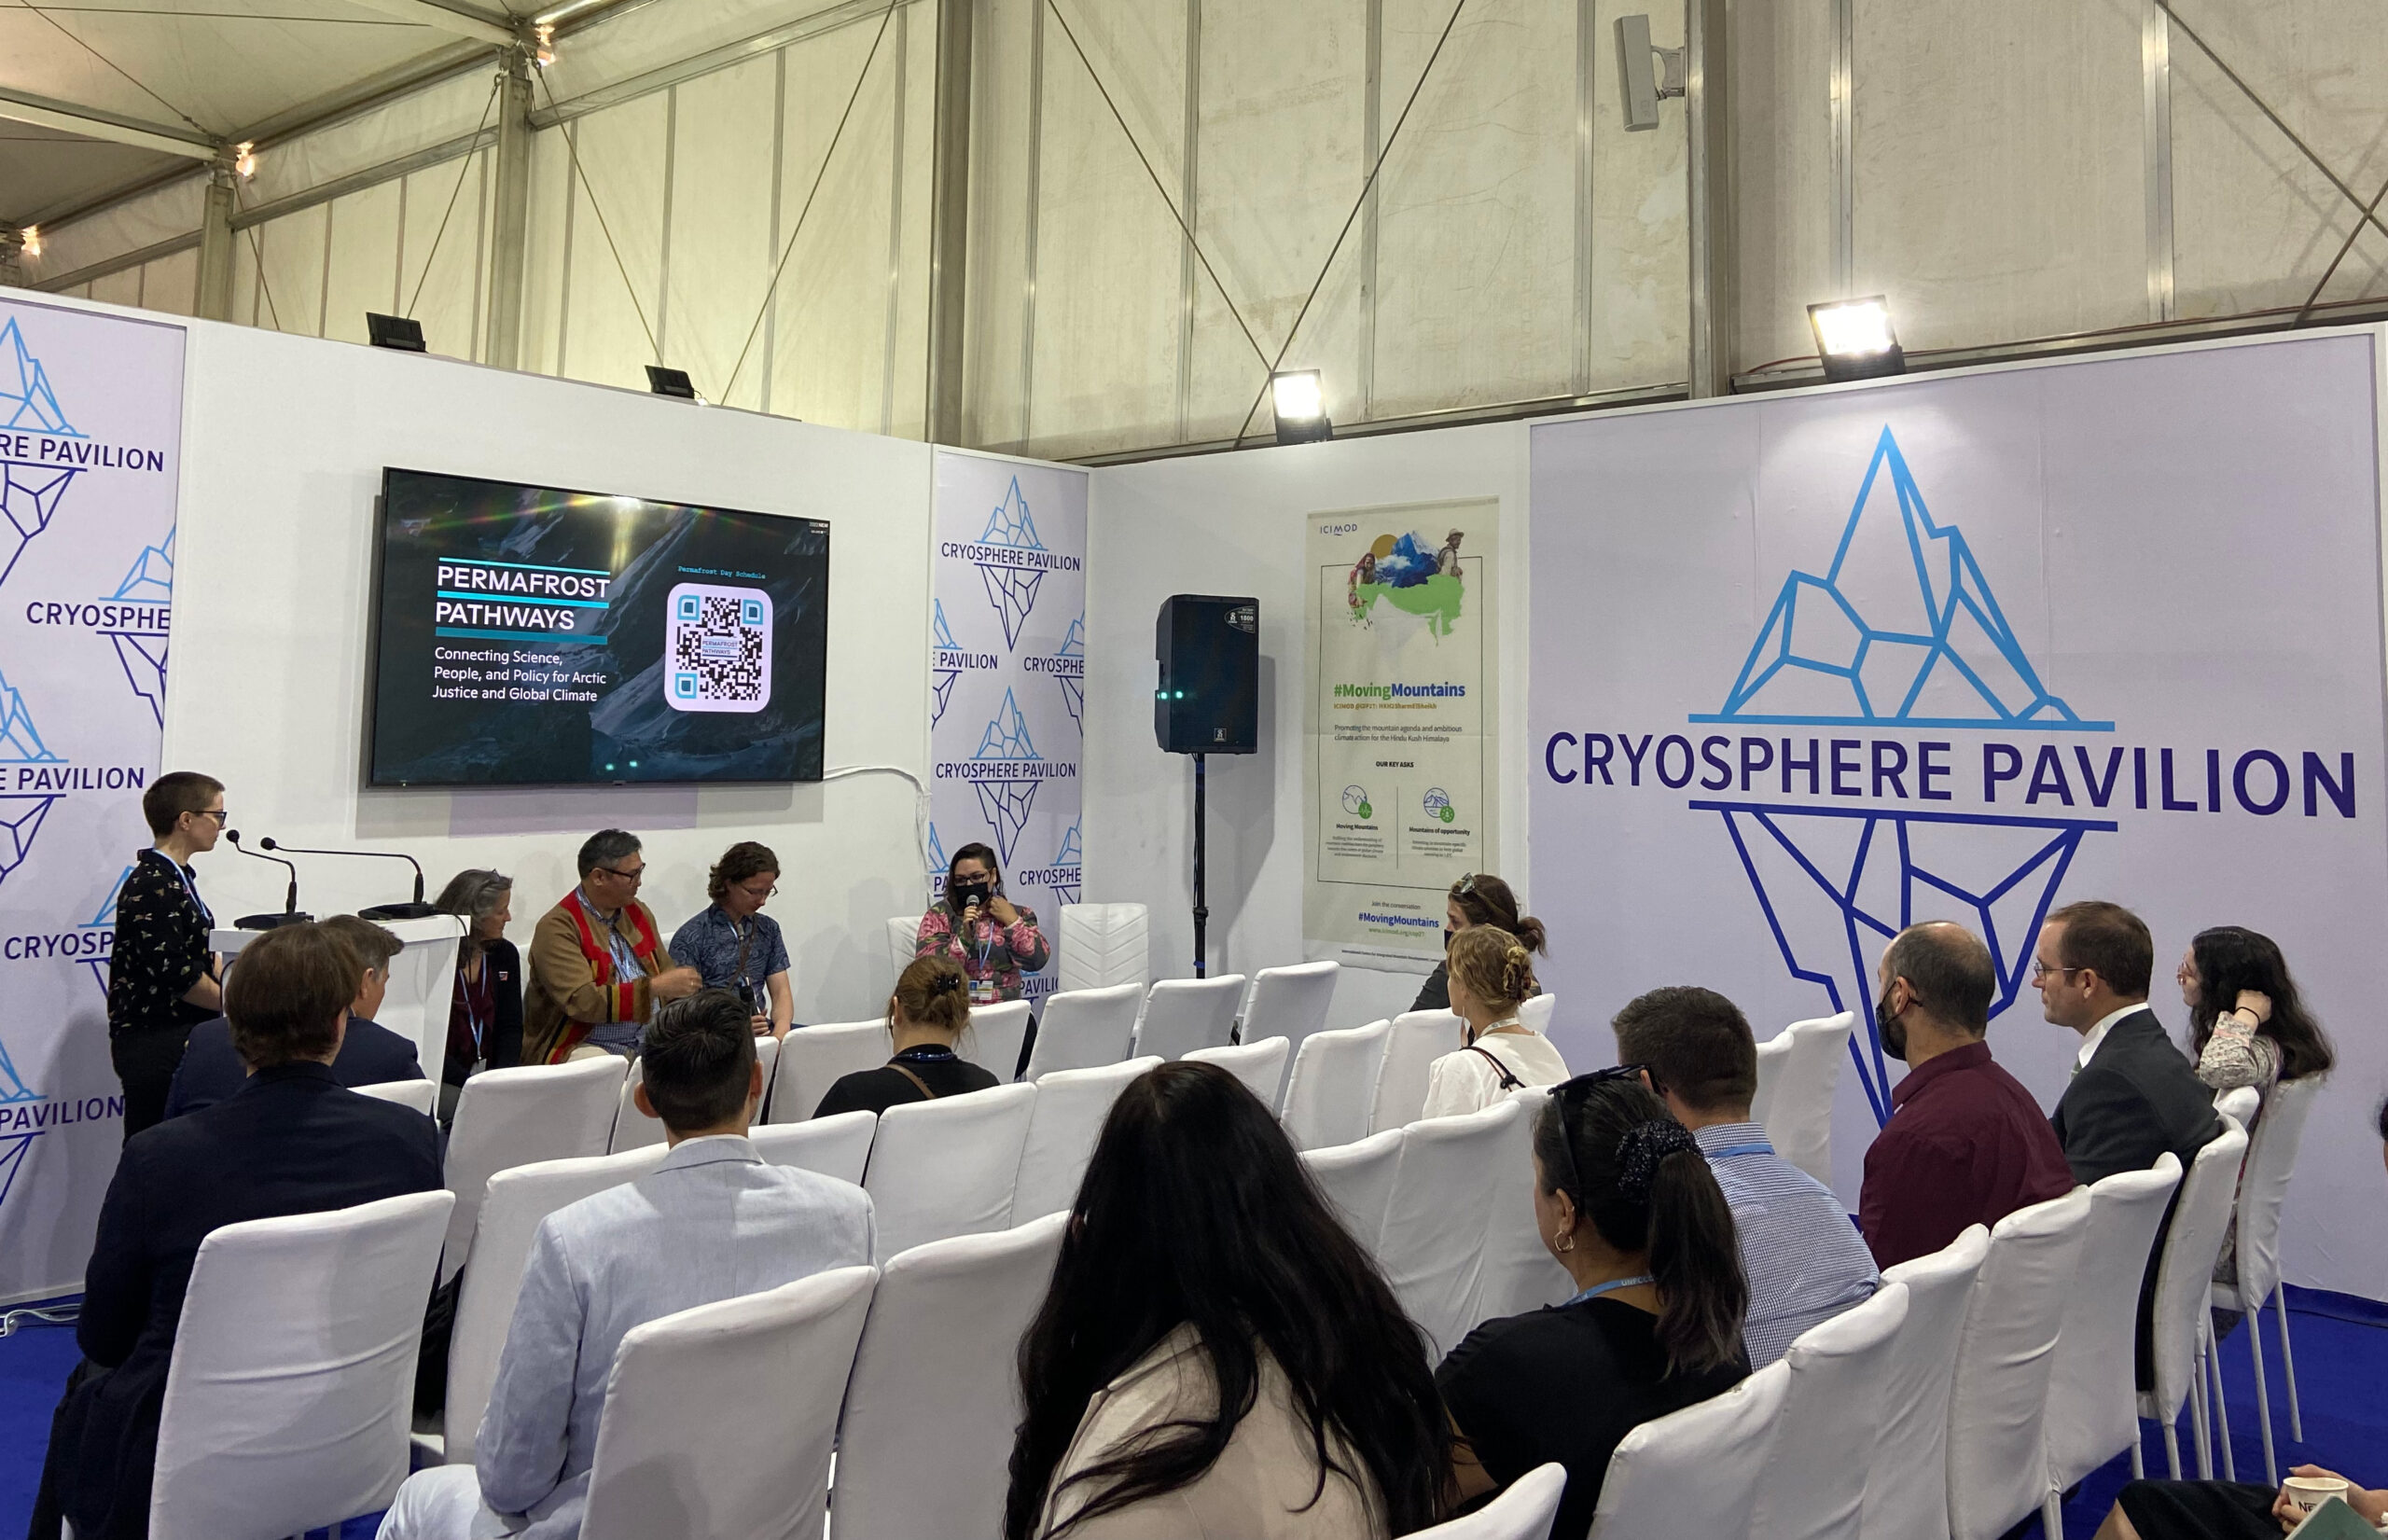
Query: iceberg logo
30	492
104	918
1006	803
19	740
940	640
1062	877
20	819
1011	588
26	400
141	643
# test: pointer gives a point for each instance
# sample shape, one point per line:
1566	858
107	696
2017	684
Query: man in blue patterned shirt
1805	1261
734	944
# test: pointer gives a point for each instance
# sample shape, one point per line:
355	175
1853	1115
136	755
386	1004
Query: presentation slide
535	636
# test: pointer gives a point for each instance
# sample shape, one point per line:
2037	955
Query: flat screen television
535	636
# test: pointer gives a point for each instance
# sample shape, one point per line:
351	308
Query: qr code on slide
718	649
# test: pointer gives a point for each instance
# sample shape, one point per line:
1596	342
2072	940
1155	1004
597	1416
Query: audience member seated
485	1012
1257	1335
291	1140
926	1017
734	945
370	1054
1803	1260
711	1223
1626	1205
1966	1143
1489	974
994	940
1479	899
598	965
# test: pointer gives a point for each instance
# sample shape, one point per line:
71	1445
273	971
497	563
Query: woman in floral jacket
994	940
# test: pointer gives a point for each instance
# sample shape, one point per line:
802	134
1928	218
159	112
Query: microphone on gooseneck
416	910
289	915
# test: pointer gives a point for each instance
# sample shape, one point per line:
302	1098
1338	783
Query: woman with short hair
1479	899
485	1006
735	944
926	1017
1490	976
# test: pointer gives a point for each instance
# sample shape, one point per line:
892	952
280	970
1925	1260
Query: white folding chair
939	1369
2000	1390
1695	1472
633	1128
1418	1038
422	1095
2240	1104
518	1199
1071	1107
1907	1477
946	1166
2263	1187
1795	1091
1104	944
1085	1028
1522	1512
1184	1014
814	1059
781	1359
1289	1003
767	1057
513	1117
997	1035
292	1382
1261	1066
1538	1012
2184	1284
1815	1477
903	942
1333	1087
837	1146
1517	1272
1444	1189
2091	1415
1357	1180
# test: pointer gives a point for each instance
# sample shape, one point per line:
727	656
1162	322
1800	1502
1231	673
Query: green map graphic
1435	601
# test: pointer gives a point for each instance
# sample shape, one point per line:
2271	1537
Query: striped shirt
1805	1261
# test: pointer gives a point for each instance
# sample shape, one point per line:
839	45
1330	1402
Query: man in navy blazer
370	1054
291	1140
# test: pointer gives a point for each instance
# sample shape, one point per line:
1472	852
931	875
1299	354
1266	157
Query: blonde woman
1490	973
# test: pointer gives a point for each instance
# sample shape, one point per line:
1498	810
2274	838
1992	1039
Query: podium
423	980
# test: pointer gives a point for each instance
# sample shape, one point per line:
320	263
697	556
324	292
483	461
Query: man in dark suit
370	1054
291	1140
2134	1094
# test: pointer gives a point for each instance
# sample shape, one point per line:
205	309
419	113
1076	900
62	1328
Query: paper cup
2307	1492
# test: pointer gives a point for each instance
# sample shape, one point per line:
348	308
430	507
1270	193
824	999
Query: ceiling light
1299	401
545	54
1854	338
33	241
245	158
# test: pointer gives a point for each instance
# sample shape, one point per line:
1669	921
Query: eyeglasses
2041	970
631	877
1576	1090
221	816
748	889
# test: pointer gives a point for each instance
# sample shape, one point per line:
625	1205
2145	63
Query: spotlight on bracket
397	332
1854	338
1647	74
671	382
1298	399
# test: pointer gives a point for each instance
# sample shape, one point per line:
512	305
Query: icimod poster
1400	724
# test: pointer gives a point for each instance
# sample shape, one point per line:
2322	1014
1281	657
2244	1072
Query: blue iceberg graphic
26	400
1006	735
19	740
1010	524
150	579
1007	805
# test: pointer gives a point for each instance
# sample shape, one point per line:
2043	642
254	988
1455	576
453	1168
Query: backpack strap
915	1079
1508	1081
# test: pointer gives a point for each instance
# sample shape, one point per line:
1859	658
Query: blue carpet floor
2342	1361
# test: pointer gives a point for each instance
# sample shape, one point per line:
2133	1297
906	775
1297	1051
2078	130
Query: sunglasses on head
1568	1092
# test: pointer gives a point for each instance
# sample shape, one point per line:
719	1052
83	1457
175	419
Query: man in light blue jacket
711	1223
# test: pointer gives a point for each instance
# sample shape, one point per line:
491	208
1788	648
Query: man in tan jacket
598	966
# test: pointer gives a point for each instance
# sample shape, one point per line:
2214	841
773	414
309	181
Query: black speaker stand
1201	910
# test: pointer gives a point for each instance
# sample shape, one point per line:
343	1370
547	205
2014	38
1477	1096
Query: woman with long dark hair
1216	1355
2248	1025
1479	899
1625	1200
995	941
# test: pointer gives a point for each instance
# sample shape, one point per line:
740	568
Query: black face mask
966	894
1893	1034
1448	933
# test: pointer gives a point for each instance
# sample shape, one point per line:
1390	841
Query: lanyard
987	947
466	990
1611	1287
1761	1147
190	887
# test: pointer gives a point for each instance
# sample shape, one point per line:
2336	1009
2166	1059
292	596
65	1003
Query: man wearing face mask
1966	1143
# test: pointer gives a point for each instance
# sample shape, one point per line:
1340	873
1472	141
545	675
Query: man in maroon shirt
1966	1143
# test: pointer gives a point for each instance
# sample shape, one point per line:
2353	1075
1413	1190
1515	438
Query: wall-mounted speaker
1208	698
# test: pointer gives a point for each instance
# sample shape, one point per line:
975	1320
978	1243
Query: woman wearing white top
1490	974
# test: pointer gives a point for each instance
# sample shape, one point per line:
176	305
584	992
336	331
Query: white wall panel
721	227
616	254
1003	90
906	400
362	272
445	110
546	247
441	254
1640	332
171	283
1780	56
117	288
172	210
290	252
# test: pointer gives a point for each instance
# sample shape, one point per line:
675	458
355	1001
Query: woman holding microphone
994	939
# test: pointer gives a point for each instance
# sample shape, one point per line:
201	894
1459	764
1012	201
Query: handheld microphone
417	910
289	915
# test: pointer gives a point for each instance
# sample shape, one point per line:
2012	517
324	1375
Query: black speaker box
1209	698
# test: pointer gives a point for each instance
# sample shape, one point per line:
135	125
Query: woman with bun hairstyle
926	1017
1479	899
1626	1203
1490	974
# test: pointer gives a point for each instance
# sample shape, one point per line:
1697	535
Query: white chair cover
2090	1416
1071	1106
1356	1180
513	1117
1261	1066
939	1369
2263	1189
719	1420
1104	944
1522	1512
837	1146
1772	1055
2239	1104
422	1095
1907	1479
1519	1274
1184	1014
946	1166
1419	1038
633	1128
997	1035
1797	1097
767	1057
1333	1087
1815	1477
1694	1472
291	1382
1996	1468
1444	1189
1289	1003
1538	1012
518	1199
814	1059
2185	1273
902	938
1085	1028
